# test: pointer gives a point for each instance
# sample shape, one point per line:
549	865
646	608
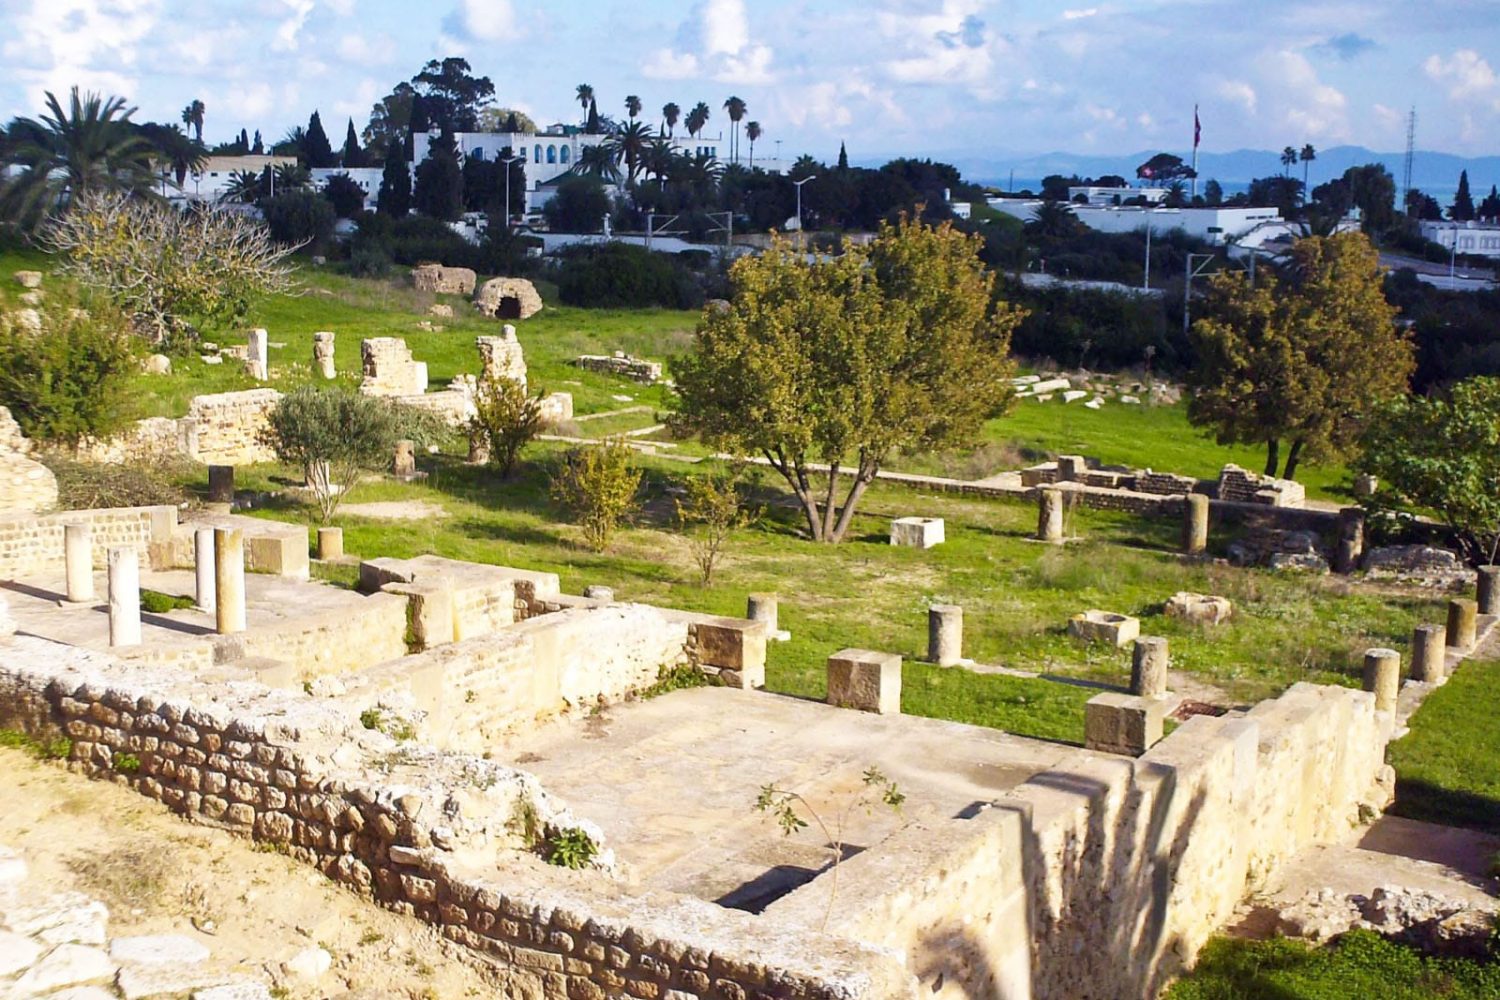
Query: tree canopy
894	345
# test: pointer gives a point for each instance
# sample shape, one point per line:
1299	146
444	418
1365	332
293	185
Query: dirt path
159	874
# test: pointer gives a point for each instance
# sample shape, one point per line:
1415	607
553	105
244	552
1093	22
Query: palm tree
632	106
192	116
175	148
292	177
1053	218
585	95
1308	155
736	109
601	160
658	159
752	132
697	118
244	187
670	113
1288	160
90	146
633	140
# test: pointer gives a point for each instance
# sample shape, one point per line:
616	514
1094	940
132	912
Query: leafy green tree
394	196
1213	193
897	344
1288	160
599	488
289	177
299	218
710	511
1489	208
697	118
1442	453
600	162
1164	168
1054	219
316	150
389	120
452	96
175	148
192	116
67	379
258	147
352	155
592	126
632	141
345	194
1305	358
244	188
506	419
439	188
579	206
1462	209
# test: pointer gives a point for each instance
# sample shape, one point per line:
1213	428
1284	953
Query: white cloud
363	51
714	42
724	27
93	44
1311	108
487	20
1238	92
664	64
949	45
1466	73
1076	15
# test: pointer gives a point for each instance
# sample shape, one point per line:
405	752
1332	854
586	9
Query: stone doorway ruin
509	307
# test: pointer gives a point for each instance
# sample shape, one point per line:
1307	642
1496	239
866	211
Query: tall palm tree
752	132
292	177
736	109
1308	154
1288	160
601	160
633	139
1053	218
585	95
697	118
670	113
176	148
192	116
244	187
90	146
632	106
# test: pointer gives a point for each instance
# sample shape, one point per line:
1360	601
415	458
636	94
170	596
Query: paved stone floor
673	782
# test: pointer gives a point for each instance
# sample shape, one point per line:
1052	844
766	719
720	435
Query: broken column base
865	680
1125	723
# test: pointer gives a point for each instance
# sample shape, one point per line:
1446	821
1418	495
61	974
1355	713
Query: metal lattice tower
1411	144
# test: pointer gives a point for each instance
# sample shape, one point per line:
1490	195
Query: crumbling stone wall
1242	486
32	544
443	280
25	484
228	428
502	357
621	363
508	298
389	369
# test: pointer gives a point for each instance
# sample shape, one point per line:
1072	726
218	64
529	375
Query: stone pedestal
917	532
1148	667
1071	468
1488	593
124	596
1123	723
1195	524
1049	526
595	592
323	354
1382	675
221	484
1365	486
865	680
1104	626
203	568
765	608
229	580
330	543
78	557
945	634
1428	654
257	365
1351	543
1462	626
404	464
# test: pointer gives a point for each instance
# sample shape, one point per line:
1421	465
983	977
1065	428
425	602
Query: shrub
351	432
67	379
299	217
369	260
711	510
598	486
571	848
618	275
506	419
346	195
579	206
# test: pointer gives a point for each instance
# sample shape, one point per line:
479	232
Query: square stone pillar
865	680
229	580
256	363
1049	526
203	568
404	464
945	634
124	596
1351	543
78	557
221	484
1123	723
323	354
330	543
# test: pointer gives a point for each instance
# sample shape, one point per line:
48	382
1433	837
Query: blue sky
887	76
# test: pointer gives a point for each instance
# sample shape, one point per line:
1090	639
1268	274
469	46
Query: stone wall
229	428
426	833
1239	485
389	369
1105	878
443	280
32	545
502	357
621	363
319	646
508	298
25	484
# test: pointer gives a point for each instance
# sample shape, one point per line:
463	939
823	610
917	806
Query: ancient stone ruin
502	357
443	280
389	368
508	299
623	364
25	484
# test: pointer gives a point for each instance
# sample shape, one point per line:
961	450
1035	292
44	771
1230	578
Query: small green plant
524	822
43	748
394	727
470	697
677	678
571	848
157	603
598	485
709	514
370	718
506	420
127	763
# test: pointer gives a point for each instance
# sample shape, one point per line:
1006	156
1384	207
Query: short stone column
865	680
221	484
1382	675
203	568
1365	486
1351	543
1127	724
1071	468
330	543
404	464
597	592
1195	524
7	621
763	608
1463	629
945	634
1049	526
229	580
1148	667
256	363
1488	592
78	558
323	354
1429	654
124	596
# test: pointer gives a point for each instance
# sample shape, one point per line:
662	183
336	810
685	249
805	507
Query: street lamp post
798	186
1187	287
509	161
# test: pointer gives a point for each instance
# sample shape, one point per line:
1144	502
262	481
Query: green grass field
1448	766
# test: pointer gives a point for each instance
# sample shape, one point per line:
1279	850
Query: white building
213	181
1248	226
1480	239
1105	196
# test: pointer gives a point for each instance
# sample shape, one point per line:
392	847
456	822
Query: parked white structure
1249	226
1104	196
1480	239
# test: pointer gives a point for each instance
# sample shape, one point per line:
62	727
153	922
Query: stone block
733	644
945	634
278	550
1203	609
1462	624
1104	626
1049	514
865	680
917	532
330	543
1488	590
1123	723
221	484
1148	667
444	280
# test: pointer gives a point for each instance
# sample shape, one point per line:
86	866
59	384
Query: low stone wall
334	643
426	833
32	544
229	428
1104	879
620	363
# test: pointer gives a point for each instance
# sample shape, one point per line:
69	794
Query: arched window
551	154
563	156
539	152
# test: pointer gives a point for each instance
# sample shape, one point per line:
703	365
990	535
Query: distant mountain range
1435	173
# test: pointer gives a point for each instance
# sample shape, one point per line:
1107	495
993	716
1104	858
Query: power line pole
1411	144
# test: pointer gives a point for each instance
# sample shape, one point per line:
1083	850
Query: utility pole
798	186
1147	282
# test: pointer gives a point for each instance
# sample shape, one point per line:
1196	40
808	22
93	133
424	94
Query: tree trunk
830	508
1291	460
795	475
862	479
1273	455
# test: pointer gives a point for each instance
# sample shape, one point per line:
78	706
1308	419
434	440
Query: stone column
124	596
763	608
330	543
1462	627
1365	486
1050	514
7	621
256	363
229	580
203	568
1148	667
323	354
221	484
1383	677
404	465
1489	590
1195	524
1351	544
78	556
945	634
1428	652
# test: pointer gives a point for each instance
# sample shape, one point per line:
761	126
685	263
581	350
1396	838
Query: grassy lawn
1361	964
1448	766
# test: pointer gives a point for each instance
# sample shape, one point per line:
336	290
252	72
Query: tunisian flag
1197	127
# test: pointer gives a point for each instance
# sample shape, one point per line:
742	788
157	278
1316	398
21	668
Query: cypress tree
353	155
512	123
439	188
592	128
395	183
258	147
843	157
1463	202
244	143
316	149
419	122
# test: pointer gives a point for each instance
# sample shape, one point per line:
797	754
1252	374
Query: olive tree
344	431
832	363
506	419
